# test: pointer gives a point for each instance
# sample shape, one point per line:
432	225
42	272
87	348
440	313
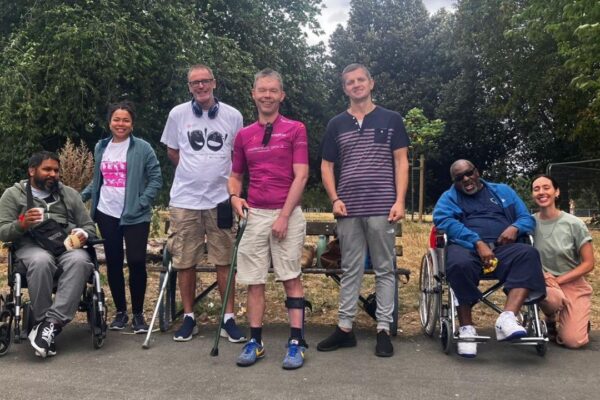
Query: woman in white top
126	180
565	247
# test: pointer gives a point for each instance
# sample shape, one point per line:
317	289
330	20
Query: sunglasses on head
468	174
268	132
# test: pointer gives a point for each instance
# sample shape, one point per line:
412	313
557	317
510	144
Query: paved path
170	370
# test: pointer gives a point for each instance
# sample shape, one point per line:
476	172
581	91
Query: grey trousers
355	235
41	267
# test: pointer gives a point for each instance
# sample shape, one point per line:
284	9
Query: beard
48	184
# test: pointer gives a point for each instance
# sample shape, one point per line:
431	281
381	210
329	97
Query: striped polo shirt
365	157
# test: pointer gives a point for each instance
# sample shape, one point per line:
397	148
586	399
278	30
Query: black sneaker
51	350
384	346
138	325
337	339
552	331
41	337
119	322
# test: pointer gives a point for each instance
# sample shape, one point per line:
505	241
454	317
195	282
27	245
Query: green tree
270	34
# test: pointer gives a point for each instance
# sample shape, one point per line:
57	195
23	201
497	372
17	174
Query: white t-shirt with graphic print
114	178
205	148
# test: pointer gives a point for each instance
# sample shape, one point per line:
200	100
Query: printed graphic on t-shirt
214	140
114	173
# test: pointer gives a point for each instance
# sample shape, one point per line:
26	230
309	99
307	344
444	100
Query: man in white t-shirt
199	136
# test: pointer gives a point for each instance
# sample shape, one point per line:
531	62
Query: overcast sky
337	13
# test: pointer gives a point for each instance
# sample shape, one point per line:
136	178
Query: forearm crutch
166	260
232	268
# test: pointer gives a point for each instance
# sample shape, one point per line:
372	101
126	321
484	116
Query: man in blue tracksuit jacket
483	221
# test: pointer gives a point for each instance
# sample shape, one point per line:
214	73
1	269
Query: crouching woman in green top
126	180
565	246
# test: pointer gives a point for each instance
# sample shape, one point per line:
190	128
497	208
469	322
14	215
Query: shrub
76	164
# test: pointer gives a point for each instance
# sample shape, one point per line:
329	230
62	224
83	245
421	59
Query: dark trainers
51	350
231	331
294	357
187	329
337	339
42	336
552	332
251	352
119	322
138	324
384	346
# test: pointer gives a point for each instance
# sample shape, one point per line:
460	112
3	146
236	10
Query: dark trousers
519	266
136	239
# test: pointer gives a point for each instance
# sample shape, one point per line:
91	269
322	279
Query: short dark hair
551	179
38	158
121	105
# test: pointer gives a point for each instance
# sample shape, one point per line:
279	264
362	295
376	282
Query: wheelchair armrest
94	241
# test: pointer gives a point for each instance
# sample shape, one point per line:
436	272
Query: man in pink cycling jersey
274	153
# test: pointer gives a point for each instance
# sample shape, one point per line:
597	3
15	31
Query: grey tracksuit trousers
355	234
41	267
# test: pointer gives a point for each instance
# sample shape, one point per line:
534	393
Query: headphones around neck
212	111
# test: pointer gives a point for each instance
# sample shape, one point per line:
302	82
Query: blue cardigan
144	180
448	216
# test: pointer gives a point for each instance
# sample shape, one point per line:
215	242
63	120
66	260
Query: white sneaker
507	327
466	349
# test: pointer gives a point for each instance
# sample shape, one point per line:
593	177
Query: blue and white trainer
187	330
232	332
294	357
251	352
508	328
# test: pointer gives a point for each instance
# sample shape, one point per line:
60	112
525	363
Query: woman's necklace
549	235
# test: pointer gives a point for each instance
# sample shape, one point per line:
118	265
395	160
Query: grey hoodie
13	203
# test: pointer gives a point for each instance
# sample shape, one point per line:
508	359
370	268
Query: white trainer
466	349
508	328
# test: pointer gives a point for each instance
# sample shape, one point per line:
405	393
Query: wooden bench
323	231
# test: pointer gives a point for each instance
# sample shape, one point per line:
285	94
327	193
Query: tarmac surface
171	370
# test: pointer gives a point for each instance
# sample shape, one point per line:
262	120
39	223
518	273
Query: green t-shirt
558	240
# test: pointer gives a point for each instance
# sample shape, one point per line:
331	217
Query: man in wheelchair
68	270
483	222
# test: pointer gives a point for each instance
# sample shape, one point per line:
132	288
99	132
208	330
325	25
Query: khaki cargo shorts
258	248
187	232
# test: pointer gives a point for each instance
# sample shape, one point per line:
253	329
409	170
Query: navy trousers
519	266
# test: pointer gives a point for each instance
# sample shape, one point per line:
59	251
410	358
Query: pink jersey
270	167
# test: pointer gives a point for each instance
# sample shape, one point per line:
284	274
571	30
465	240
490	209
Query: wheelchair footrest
473	339
529	341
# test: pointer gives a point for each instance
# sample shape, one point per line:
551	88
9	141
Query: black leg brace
298	303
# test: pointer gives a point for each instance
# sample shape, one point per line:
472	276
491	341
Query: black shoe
119	322
551	329
337	339
51	350
384	346
42	336
138	324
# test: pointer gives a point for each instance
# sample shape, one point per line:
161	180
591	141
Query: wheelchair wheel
446	335
5	331
96	319
430	295
541	348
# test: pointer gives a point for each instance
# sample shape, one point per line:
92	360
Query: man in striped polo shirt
370	145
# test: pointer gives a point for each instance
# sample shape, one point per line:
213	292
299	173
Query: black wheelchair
16	316
437	303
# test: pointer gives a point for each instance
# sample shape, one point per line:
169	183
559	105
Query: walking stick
169	264
232	268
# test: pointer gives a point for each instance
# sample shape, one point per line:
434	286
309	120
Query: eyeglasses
268	132
468	173
204	82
